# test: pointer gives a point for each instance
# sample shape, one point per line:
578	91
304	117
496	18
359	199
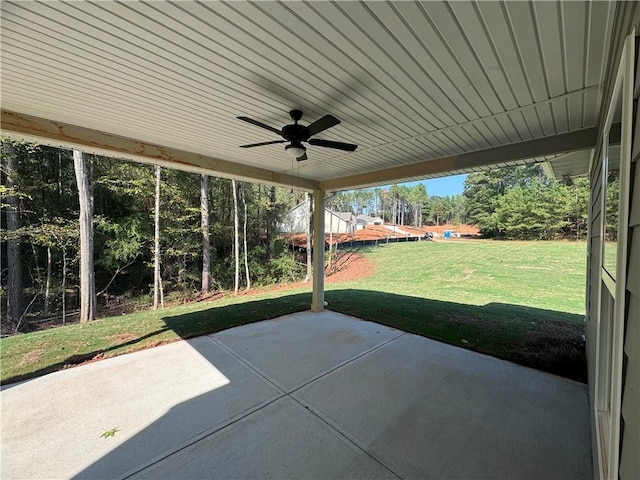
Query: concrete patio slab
282	440
159	399
303	396
295	349
428	410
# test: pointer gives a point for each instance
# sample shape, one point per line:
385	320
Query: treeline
512	203
40	220
402	205
522	203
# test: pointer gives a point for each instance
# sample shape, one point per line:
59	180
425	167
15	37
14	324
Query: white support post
317	297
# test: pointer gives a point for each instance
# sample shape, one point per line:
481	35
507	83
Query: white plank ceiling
410	81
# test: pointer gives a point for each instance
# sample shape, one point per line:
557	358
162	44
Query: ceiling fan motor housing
295	133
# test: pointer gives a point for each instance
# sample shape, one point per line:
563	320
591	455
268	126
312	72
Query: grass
547	275
37	353
521	301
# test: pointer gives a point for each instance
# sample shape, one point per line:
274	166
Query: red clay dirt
379	232
463	229
347	267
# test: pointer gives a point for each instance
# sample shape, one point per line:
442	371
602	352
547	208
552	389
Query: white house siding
595	256
628	17
296	221
334	223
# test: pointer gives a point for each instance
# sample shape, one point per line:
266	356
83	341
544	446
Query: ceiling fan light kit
295	151
296	134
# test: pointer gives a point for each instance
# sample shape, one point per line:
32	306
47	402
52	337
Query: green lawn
37	353
521	301
546	275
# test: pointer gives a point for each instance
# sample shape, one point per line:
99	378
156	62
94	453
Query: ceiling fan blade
349	147
303	157
260	124
262	143
321	124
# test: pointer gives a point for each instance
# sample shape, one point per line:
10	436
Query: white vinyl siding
630	447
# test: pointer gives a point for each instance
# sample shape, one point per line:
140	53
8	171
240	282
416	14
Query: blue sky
445	186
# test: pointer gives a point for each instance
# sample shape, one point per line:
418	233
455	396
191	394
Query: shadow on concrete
546	340
511	332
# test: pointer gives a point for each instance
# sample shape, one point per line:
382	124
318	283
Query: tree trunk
14	260
206	244
309	233
236	239
394	215
246	254
64	285
272	227
47	286
87	280
156	243
330	240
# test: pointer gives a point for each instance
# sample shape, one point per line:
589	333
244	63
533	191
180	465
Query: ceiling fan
296	134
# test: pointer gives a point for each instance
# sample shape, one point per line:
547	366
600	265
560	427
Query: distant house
363	220
346	222
297	219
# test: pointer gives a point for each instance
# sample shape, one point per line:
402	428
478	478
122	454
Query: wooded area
107	234
521	203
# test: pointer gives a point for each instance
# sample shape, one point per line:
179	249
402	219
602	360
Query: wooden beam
49	132
547	169
539	147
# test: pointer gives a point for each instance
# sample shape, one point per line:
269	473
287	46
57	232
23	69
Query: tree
483	190
612	194
458	209
377	196
87	277
579	204
309	225
272	223
532	212
14	258
418	198
124	234
236	239
206	244
393	194
56	235
244	237
520	202
383	203
439	210
157	279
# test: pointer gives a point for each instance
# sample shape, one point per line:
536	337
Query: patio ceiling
425	89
